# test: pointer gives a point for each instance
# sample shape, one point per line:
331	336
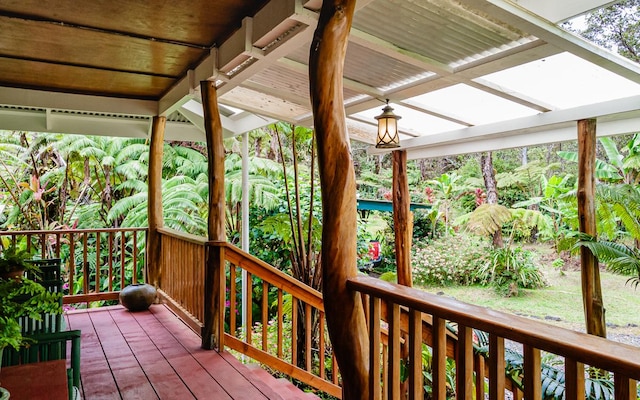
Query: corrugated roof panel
379	71
282	78
411	25
564	81
264	104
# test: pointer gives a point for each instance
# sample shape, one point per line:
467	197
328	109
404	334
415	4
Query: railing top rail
66	231
272	275
584	348
189	237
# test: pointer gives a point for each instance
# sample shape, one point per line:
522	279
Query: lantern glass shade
387	129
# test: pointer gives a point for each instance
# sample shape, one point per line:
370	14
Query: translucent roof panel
564	81
471	105
412	122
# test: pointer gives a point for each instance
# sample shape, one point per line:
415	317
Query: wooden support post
213	330
154	201
402	219
591	289
344	311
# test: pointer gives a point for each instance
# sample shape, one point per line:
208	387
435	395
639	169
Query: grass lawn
561	302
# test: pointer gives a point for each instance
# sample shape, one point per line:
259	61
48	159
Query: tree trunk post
489	175
154	201
214	290
402	218
344	311
591	290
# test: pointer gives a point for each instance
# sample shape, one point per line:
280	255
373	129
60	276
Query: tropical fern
618	257
488	219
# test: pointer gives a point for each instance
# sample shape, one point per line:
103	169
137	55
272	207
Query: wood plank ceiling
129	49
107	67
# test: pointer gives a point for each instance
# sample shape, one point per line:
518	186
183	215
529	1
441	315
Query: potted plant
14	262
22	297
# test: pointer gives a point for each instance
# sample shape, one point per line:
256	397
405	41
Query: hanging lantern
387	129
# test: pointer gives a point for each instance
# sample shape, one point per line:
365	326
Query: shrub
509	269
449	260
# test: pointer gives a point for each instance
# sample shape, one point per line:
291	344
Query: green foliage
553	379
14	259
23	298
616	27
448	261
488	218
619	258
509	269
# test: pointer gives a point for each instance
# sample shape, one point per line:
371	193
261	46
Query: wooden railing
98	263
284	309
577	349
182	265
291	334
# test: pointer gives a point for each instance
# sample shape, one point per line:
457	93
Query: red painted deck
154	355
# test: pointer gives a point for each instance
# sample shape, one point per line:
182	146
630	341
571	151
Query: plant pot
15	275
4	393
137	296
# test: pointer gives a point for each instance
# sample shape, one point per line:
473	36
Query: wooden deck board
154	355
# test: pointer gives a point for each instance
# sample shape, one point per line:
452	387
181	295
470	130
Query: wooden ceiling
108	67
120	48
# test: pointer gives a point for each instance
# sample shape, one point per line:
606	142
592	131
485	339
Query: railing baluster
248	307
464	363
135	257
98	263
123	248
294	330
72	262
232	299
307	336
265	313
415	355
385	371
496	367
57	252
532	373
393	311
280	323
110	259
479	369
85	264
439	359
321	354
374	348
625	388
574	379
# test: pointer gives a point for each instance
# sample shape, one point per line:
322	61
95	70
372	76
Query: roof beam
559	11
85	103
522	126
562	133
516	15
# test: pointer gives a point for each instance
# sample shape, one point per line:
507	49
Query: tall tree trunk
214	285
489	175
154	201
591	289
344	311
402	218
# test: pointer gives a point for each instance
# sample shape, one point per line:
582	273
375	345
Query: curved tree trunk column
403	229
344	311
214	282
591	290
402	218
154	201
489	175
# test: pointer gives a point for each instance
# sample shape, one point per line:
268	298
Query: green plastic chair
49	347
51	278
